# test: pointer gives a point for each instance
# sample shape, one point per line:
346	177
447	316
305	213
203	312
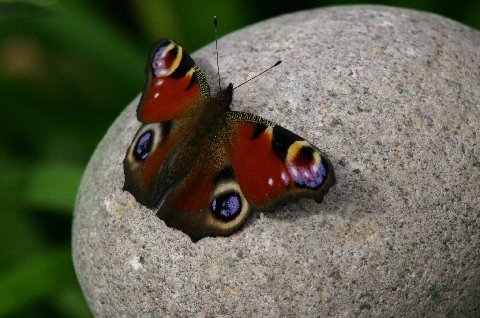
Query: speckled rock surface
392	96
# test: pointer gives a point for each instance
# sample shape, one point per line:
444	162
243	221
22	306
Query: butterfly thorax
225	96
212	113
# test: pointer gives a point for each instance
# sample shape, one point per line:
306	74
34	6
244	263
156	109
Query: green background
67	69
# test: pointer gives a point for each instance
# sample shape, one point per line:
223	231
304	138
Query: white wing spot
156	95
294	171
270	181
163	72
159	82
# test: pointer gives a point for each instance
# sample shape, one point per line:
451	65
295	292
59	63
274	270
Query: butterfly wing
175	88
209	201
249	162
273	165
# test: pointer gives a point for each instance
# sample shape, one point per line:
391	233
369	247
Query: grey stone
392	96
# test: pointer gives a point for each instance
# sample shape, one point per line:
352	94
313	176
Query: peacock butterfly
204	166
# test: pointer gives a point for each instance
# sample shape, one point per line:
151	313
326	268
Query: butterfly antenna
268	69
216	49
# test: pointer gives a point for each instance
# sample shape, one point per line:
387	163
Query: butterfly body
204	166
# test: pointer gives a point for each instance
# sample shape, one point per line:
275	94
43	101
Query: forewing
175	85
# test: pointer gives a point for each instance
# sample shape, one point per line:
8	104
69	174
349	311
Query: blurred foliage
67	69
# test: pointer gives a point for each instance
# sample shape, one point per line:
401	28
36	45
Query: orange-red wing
174	87
272	164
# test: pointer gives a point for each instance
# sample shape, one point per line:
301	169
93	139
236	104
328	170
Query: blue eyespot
311	177
227	206
144	145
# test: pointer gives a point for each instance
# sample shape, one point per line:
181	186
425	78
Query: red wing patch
261	174
273	165
175	86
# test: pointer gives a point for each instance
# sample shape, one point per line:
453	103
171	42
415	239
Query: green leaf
35	279
20	9
159	20
78	27
53	186
190	23
25	7
32	2
71	303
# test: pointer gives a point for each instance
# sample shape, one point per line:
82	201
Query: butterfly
204	166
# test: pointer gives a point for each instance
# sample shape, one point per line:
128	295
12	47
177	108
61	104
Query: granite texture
392	96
